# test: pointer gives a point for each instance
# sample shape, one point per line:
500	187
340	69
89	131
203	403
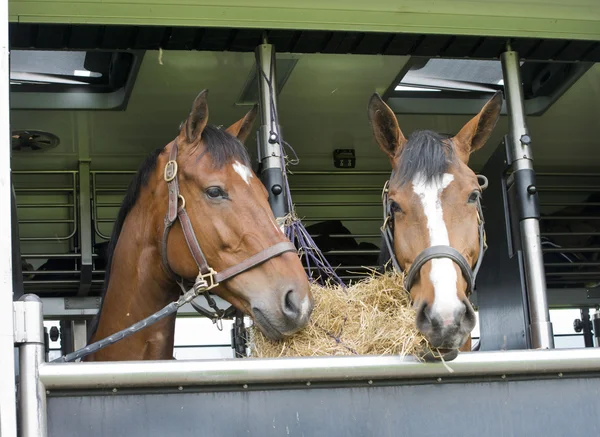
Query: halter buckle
386	187
205	282
170	170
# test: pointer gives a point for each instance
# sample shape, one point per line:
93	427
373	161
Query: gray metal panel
500	296
551	407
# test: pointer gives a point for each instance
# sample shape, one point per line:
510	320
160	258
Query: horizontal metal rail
108	375
340	173
566	234
569	217
564	189
568	175
570	249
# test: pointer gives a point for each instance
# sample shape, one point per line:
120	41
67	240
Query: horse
433	223
195	208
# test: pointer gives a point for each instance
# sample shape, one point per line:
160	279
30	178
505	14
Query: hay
371	317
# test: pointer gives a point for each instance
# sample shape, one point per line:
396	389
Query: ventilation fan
33	140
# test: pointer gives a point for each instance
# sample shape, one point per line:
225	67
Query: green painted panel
577	19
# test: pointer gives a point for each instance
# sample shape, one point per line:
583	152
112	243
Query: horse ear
385	127
198	118
242	128
477	131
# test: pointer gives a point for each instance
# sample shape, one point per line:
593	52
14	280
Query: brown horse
433	227
195	205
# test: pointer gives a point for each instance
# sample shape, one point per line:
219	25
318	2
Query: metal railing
566	199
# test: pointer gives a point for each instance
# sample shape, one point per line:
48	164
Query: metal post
520	159
269	136
8	411
596	327
29	333
79	330
85	228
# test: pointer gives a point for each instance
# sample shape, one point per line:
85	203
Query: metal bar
345	219
570	175
100	172
573	234
558	189
352	252
521	160
269	137
8	412
596	327
337	203
341	236
52	255
32	393
44	190
569	217
37	172
45	205
312	369
572	274
341	173
79	328
85	215
569	203
570	249
46	221
574	264
77	308
365	188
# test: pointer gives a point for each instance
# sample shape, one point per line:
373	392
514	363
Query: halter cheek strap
207	277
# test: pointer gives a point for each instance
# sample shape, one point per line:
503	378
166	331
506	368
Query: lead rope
171	308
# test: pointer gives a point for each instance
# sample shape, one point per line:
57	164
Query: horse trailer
94	87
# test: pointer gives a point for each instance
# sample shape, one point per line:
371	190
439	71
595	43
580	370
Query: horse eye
395	207
474	196
215	192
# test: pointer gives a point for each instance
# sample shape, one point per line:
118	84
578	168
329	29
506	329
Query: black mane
426	152
220	145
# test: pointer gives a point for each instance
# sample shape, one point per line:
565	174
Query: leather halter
207	277
434	252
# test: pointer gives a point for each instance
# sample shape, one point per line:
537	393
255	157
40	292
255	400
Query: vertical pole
83	124
85	228
8	410
596	327
29	332
269	136
520	159
79	329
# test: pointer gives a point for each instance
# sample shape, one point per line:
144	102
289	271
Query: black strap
435	252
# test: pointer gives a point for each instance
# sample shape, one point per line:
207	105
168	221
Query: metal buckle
170	170
385	223
205	282
385	189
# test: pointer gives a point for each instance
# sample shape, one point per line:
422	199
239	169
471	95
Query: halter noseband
207	277
433	252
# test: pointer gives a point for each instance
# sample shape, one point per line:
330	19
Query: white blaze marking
243	171
442	275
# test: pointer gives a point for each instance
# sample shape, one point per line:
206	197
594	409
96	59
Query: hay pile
371	317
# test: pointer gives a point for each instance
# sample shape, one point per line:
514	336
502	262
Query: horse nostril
290	306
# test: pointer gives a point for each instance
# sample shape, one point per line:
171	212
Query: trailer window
61	79
458	86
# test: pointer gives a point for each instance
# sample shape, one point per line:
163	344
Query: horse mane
220	145
427	153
